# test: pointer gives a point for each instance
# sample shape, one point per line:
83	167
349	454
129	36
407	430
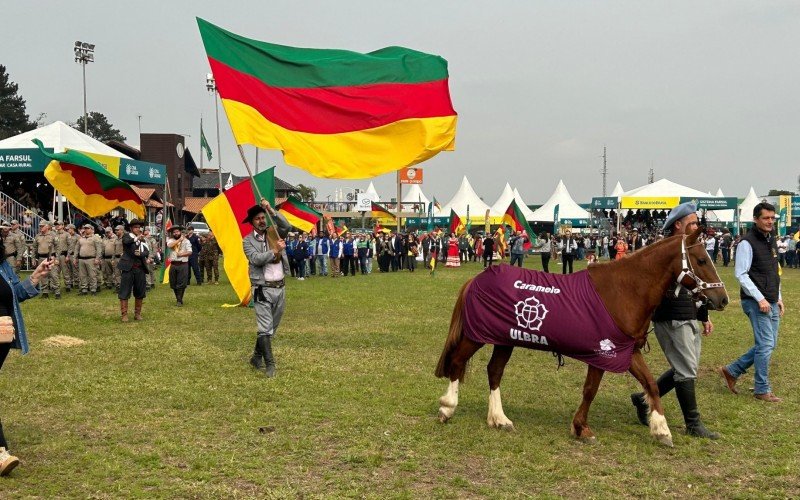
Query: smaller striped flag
381	211
299	214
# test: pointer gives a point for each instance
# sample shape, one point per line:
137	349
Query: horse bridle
688	272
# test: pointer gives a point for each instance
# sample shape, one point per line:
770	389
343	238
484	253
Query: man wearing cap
88	250
109	263
62	250
209	258
679	335
152	244
70	268
14	246
119	231
133	266
44	247
180	249
756	268
267	270
20	243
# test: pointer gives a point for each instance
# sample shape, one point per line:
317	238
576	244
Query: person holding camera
12	327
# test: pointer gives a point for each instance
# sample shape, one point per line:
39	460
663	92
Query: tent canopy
617	190
664	188
466	196
415	195
60	137
502	203
748	204
373	194
567	208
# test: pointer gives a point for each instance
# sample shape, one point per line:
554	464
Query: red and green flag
456	224
381	211
516	220
334	113
87	185
299	214
225	217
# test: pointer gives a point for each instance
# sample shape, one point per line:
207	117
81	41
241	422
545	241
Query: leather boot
688	401
666	382
123	308
257	359
266	349
137	309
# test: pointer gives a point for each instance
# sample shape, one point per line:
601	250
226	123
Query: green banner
23	160
142	172
605	202
423	221
713	203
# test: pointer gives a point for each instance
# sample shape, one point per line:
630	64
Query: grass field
169	407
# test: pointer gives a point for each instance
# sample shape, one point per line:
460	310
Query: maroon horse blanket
507	305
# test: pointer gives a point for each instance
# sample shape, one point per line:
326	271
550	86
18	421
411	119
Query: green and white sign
23	160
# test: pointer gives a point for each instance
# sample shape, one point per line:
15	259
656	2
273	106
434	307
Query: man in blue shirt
756	269
321	251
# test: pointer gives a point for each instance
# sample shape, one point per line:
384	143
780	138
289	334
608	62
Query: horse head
698	273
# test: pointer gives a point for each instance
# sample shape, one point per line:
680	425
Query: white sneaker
301	279
7	462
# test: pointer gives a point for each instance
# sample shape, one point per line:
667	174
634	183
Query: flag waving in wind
514	218
87	185
204	142
335	113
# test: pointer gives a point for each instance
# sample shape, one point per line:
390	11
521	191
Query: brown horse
630	289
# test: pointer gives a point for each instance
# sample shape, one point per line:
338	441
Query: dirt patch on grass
62	341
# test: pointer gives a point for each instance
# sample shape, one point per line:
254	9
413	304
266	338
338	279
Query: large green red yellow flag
334	113
456	225
379	211
225	215
87	185
514	218
299	214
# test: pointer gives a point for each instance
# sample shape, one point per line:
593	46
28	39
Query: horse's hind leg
580	422
658	424
458	365
495	368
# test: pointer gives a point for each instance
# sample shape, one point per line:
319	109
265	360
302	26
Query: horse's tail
455	334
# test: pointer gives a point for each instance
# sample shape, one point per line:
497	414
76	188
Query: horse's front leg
496	417
658	424
580	422
458	365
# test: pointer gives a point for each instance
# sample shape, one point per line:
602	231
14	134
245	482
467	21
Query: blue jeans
517	257
765	332
322	264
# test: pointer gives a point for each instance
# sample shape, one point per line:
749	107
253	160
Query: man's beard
261	227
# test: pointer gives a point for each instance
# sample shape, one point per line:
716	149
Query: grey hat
119	226
70	226
679	213
87	226
15	221
3	225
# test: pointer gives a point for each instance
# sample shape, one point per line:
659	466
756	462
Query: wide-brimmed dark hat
136	222
252	212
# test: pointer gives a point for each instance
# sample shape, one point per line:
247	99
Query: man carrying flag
268	266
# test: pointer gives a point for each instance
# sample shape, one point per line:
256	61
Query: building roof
210	180
194	205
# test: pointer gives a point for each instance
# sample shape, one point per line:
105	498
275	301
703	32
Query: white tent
723	215
567	208
60	136
415	195
617	190
373	194
748	204
527	212
502	203
665	188
465	196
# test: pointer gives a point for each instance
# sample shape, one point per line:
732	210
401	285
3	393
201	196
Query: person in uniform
108	264
20	246
88	250
70	269
180	249
209	258
44	247
267	269
119	231
680	324
152	245
62	250
133	266
13	246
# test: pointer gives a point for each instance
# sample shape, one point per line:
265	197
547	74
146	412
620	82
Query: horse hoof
507	427
443	418
666	441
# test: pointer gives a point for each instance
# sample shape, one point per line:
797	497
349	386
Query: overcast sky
703	92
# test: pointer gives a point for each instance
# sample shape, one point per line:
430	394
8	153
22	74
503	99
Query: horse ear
692	237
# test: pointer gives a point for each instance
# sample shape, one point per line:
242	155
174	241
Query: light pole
211	86
84	54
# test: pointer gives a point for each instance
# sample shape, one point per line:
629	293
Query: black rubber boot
265	343
688	401
666	382
257	359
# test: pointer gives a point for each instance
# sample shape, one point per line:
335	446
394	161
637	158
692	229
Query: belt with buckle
275	284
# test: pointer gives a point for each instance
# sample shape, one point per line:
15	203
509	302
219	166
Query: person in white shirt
180	248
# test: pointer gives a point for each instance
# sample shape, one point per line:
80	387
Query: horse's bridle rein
688	272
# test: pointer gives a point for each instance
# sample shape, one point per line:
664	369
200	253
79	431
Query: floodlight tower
211	86
84	54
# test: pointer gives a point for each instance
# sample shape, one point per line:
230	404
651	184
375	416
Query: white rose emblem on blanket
530	313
